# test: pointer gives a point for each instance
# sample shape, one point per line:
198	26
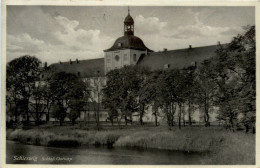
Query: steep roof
177	58
82	68
155	60
129	42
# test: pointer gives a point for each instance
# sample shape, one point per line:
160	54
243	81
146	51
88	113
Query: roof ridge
189	48
78	60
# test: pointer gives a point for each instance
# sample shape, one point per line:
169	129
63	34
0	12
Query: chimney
219	43
77	60
45	64
60	62
165	49
70	61
190	46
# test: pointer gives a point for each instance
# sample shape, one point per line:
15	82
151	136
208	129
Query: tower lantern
129	24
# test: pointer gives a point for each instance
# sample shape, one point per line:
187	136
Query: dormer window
166	66
119	44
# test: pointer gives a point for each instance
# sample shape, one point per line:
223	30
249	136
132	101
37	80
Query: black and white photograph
130	85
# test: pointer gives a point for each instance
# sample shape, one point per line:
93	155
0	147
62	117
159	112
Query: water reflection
22	154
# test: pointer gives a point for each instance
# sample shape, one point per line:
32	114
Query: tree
191	87
206	90
225	95
76	94
38	105
243	46
235	67
122	93
172	90
22	73
166	88
59	112
47	74
128	92
111	94
150	93
142	93
12	104
67	91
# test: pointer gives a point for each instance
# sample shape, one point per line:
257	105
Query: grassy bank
225	147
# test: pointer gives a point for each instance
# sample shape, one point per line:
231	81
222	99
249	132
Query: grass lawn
224	147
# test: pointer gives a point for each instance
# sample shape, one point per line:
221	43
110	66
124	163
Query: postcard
90	83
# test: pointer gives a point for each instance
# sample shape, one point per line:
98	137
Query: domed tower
127	49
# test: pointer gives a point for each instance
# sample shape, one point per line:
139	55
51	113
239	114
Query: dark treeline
28	95
224	84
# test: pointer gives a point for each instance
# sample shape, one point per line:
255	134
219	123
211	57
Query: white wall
138	54
110	61
126	57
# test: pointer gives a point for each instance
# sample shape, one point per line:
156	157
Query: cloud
53	37
23	43
202	30
77	38
72	42
195	33
149	25
232	31
33	21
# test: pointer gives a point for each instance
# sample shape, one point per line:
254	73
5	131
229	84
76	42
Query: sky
61	33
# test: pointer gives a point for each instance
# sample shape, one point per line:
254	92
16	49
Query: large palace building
131	50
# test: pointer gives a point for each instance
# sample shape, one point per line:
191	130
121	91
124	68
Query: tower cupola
129	24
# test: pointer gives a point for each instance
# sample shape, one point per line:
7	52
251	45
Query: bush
221	147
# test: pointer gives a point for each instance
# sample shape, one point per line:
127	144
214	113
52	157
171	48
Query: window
134	57
125	57
108	59
117	58
119	44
